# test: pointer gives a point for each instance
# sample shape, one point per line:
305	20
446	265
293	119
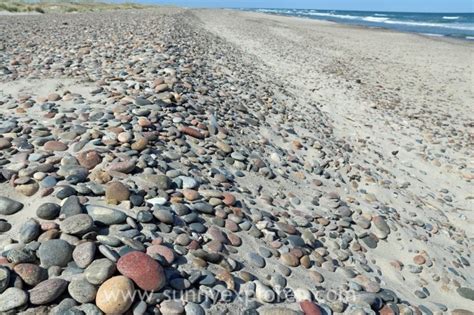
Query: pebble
466	293
55	253
82	291
263	293
48	211
171	307
309	308
175	159
29	231
12	298
9	206
31	274
116	192
47	291
146	272
4	278
193	309
105	215
83	254
256	260
77	224
99	271
114	296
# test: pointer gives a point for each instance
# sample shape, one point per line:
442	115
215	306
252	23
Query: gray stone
55	252
82	291
71	206
4	278
164	216
106	215
83	254
9	206
204	207
48	211
77	224
194	309
466	292
5	226
256	260
29	231
47	291
12	298
99	271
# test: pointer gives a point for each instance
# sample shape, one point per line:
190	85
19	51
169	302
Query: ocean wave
349	17
450	26
397	22
433	35
375	19
380	18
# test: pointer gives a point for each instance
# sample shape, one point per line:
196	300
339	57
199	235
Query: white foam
375	19
451	26
432	35
378	18
350	17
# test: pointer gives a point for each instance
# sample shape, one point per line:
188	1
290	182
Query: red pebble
146	272
309	308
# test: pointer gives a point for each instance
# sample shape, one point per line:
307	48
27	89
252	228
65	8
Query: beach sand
347	149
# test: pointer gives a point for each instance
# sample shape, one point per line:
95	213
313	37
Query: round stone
163	251
290	260
116	192
31	274
263	293
5	144
256	260
105	215
4	278
466	293
11	299
55	146
82	291
48	211
89	159
29	231
194	309
164	216
47	291
28	189
171	307
146	272
77	224
4	226
83	254
115	296
310	308
99	271
9	206
55	252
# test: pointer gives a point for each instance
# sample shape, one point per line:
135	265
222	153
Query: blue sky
364	5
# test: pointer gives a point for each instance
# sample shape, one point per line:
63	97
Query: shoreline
467	38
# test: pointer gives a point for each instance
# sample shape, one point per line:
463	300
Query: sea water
460	25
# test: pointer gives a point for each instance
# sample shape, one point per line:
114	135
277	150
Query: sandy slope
405	103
